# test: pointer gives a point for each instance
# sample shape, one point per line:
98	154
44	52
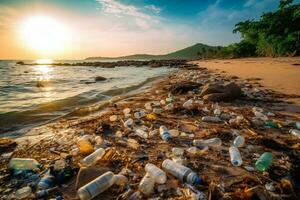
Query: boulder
183	88
100	78
218	92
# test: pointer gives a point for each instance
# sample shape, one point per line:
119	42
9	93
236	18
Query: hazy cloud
153	8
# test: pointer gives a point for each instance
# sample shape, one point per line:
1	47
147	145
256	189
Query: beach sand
279	74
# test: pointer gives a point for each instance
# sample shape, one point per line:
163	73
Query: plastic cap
197	180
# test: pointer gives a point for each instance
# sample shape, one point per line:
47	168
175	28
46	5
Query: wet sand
279	74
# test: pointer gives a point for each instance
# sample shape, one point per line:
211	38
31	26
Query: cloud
113	7
153	8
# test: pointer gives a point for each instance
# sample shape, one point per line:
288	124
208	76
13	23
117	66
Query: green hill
196	51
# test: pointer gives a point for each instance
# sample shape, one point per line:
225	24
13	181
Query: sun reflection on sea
44	75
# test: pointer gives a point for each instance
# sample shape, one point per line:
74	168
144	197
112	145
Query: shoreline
213	166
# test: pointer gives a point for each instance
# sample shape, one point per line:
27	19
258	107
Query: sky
75	29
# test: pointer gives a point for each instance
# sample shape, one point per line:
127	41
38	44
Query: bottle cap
197	181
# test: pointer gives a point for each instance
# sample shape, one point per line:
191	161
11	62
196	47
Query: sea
31	95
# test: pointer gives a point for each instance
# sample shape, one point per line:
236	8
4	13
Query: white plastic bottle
92	158
97	186
184	174
239	141
141	133
146	185
235	156
295	132
211	119
156	173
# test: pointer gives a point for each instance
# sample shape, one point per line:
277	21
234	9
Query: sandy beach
278	74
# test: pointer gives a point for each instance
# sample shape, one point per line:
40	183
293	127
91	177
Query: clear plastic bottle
146	185
239	141
196	150
295	132
156	173
141	133
264	161
23	192
97	186
235	156
298	125
84	145
212	142
23	164
92	158
46	182
184	174
177	152
140	114
128	123
211	119
164	133
120	179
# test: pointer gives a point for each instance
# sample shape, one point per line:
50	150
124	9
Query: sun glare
44	61
44	34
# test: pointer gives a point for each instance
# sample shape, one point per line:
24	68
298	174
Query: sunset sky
75	29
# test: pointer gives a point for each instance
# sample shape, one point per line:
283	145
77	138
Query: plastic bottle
264	161
84	145
235	156
146	185
140	114
44	193
295	132
148	106
196	150
141	133
23	164
23	192
92	158
211	119
156	173
97	186
164	133
181	172
158	110
239	141
298	125
46	182
128	123
212	142
188	104
120	179
177	152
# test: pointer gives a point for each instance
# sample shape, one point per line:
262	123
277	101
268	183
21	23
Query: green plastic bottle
264	161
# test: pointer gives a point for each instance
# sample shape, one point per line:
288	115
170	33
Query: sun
44	34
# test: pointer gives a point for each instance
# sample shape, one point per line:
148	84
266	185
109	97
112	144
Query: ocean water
32	94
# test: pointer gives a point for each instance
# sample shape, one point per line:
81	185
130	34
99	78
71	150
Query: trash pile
195	135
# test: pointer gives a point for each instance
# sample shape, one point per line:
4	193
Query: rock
7	145
218	92
41	84
100	78
183	88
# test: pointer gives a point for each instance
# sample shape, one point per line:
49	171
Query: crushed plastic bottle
23	164
94	157
146	185
156	173
239	141
211	119
84	145
235	156
295	132
128	123
46	182
184	174
264	161
197	151
212	142
188	104
97	186
140	114
23	192
164	133
141	133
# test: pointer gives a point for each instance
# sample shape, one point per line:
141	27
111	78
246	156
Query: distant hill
193	52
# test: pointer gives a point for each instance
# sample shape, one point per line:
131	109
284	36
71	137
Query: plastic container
235	156
295	132
156	173
264	161
141	133
128	123
23	164
146	185
140	114
84	145
164	133
92	158
97	186
184	174
211	119
46	182
212	142
23	192
239	141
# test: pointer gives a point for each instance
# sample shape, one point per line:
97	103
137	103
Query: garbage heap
193	135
